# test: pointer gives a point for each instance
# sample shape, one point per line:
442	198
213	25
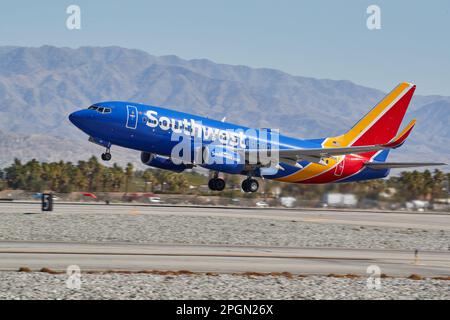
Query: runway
218	258
430	221
206	239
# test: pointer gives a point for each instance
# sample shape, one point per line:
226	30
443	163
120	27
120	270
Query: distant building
288	201
340	200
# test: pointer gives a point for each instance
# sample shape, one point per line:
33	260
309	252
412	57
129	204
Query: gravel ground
36	285
147	228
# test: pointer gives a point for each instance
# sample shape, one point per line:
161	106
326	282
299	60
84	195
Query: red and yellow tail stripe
379	126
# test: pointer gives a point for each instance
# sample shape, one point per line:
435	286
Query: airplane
358	154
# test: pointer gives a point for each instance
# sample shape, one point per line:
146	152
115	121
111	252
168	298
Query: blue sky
322	39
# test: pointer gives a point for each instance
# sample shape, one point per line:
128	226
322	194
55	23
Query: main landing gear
250	185
216	184
107	155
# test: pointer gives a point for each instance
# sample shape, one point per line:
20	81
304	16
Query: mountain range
39	87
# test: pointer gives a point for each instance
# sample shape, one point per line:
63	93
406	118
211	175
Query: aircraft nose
78	117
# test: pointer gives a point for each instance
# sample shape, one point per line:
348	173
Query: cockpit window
100	109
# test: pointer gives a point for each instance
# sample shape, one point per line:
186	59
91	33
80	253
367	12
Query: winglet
401	137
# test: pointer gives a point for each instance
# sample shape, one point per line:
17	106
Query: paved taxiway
216	258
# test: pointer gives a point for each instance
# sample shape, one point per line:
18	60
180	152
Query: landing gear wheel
245	185
211	185
250	185
216	184
106	156
219	184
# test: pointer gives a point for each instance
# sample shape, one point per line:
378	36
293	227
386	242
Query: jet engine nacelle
161	162
222	158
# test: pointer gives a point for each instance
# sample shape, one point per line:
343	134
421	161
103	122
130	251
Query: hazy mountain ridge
39	87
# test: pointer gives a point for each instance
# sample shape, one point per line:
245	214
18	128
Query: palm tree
95	173
107	179
148	177
2	180
438	184
161	176
33	172
15	175
117	176
177	182
78	179
128	175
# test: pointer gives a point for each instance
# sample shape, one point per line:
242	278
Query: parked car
154	199
262	204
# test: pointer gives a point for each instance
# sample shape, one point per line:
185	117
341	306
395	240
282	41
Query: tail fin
380	125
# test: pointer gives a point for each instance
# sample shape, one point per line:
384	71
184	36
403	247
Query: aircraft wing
328	152
395	165
316	154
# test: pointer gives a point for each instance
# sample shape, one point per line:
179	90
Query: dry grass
50	271
282	274
249	274
252	274
145	271
24	269
185	272
416	277
442	278
346	276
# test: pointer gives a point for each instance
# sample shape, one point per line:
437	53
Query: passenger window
100	110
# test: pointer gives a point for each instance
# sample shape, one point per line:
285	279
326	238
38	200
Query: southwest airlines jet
174	140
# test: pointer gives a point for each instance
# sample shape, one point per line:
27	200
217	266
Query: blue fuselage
151	129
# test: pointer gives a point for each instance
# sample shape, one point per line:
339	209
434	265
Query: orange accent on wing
311	170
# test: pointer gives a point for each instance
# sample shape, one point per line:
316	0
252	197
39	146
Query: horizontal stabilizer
395	165
401	137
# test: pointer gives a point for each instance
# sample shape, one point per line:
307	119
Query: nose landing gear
107	155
